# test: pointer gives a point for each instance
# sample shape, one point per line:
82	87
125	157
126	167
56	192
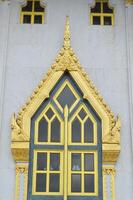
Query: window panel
89	162
28	7
97	8
55	130
66	97
96	20
54	183
82	114
106	8
76	162
37	7
102	13
89	183
88	131
49	113
107	21
43	130
75	183
41	161
54	161
38	19
76	130
27	19
40	182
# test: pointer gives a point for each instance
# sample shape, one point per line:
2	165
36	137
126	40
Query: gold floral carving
65	61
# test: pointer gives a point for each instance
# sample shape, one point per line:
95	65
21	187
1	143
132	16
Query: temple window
102	13
32	13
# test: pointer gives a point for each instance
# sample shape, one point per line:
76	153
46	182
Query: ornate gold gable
66	60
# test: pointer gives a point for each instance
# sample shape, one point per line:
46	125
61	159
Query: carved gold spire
67	43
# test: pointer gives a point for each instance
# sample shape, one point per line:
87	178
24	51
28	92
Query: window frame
102	14
49	121
89	115
32	13
83	172
48	172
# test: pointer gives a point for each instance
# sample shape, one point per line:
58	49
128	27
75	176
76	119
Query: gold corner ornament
66	61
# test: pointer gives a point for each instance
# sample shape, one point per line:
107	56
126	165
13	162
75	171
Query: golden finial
67	44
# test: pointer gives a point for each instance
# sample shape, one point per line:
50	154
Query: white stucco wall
26	53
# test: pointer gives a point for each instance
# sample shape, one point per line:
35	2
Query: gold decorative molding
21	169
65	61
129	2
111	171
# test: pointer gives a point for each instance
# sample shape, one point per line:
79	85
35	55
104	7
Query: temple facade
66	99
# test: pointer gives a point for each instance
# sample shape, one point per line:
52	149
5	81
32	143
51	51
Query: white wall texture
106	53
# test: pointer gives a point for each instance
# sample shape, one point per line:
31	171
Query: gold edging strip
109	171
21	169
65	152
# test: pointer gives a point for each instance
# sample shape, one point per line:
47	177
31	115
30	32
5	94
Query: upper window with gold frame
102	13
32	13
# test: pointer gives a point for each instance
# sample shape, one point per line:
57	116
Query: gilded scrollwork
114	136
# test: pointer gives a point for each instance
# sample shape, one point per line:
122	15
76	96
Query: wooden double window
66	150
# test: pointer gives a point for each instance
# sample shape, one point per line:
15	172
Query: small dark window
76	162
82	114
96	20
106	8
40	182
89	182
54	183
28	7
89	162
76	183
66	97
27	19
76	130
43	130
37	19
88	131
102	13
97	8
49	113
107	21
55	130
54	161
37	7
42	161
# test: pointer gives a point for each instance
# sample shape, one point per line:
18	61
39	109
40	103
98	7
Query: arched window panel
32	13
102	13
48	127
66	95
83	127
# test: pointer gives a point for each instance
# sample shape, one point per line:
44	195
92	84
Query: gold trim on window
47	171
82	172
32	13
49	121
88	116
102	14
66	83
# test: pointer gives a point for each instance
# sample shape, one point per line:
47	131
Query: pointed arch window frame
20	124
